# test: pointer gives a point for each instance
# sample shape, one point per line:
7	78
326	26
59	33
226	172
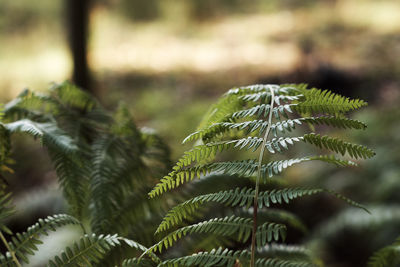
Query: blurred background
170	59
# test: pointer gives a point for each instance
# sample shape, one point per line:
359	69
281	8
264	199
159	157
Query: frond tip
339	146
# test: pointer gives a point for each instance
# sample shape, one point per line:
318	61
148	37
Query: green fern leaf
73	175
88	251
29	104
235	99
111	161
216	257
91	249
6	210
49	134
219	110
339	146
209	150
135	262
338	122
283	263
246	114
26	243
7	261
316	100
268	232
245	168
286	252
388	256
228	226
72	96
276	128
242	198
260	88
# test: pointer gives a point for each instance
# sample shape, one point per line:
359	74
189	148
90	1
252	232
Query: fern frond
227	226
265	96
244	114
6	210
115	161
225	257
280	144
216	257
49	133
242	198
283	263
208	151
338	122
73	175
339	146
250	126
278	127
7	261
26	243
90	249
333	160
287	252
268	232
70	95
324	101
259	88
156	152
136	262
233	101
262	110
31	105
218	111
222	127
245	168
136	209
388	256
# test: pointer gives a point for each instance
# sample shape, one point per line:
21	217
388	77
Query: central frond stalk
12	252
260	159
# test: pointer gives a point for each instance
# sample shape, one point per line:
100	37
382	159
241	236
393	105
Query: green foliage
216	257
104	164
138	263
6	210
242	120
228	226
388	256
26	243
225	257
239	197
90	249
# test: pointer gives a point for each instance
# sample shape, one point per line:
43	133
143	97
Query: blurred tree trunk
77	20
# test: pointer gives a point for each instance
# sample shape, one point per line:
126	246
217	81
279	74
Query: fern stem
10	250
255	205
